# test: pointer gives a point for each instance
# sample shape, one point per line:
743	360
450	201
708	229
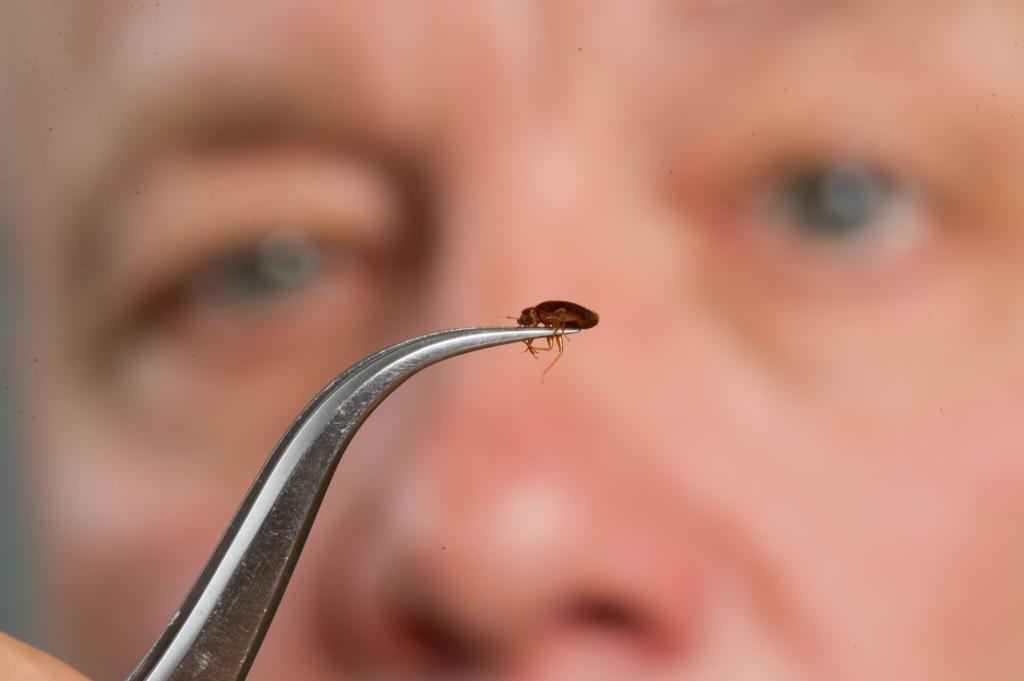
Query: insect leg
548	368
535	350
559	327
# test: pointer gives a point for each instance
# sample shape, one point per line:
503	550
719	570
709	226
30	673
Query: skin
780	456
23	663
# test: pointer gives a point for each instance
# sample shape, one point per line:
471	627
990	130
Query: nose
518	541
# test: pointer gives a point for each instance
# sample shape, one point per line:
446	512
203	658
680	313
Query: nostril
602	613
430	641
428	635
614	620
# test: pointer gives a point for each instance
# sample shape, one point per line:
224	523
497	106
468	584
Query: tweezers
217	631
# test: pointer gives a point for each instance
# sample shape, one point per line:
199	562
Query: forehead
400	47
84	37
87	83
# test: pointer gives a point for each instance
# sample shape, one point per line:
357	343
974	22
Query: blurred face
791	449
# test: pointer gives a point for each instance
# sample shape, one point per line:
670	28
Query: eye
278	263
836	202
851	214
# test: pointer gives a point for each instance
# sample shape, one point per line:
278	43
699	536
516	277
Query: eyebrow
203	113
209	115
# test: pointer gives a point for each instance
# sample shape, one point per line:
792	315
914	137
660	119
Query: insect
559	315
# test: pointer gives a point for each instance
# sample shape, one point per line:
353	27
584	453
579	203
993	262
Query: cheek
125	537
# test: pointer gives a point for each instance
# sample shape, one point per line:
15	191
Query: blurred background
18	592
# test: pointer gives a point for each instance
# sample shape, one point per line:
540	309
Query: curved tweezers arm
220	625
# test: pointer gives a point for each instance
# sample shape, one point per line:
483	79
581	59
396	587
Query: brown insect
558	315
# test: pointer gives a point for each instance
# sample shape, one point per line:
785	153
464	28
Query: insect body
559	315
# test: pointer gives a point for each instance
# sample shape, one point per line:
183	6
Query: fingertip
21	662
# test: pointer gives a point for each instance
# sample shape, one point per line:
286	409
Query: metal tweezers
217	631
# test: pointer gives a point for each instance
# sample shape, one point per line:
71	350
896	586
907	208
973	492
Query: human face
790	450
